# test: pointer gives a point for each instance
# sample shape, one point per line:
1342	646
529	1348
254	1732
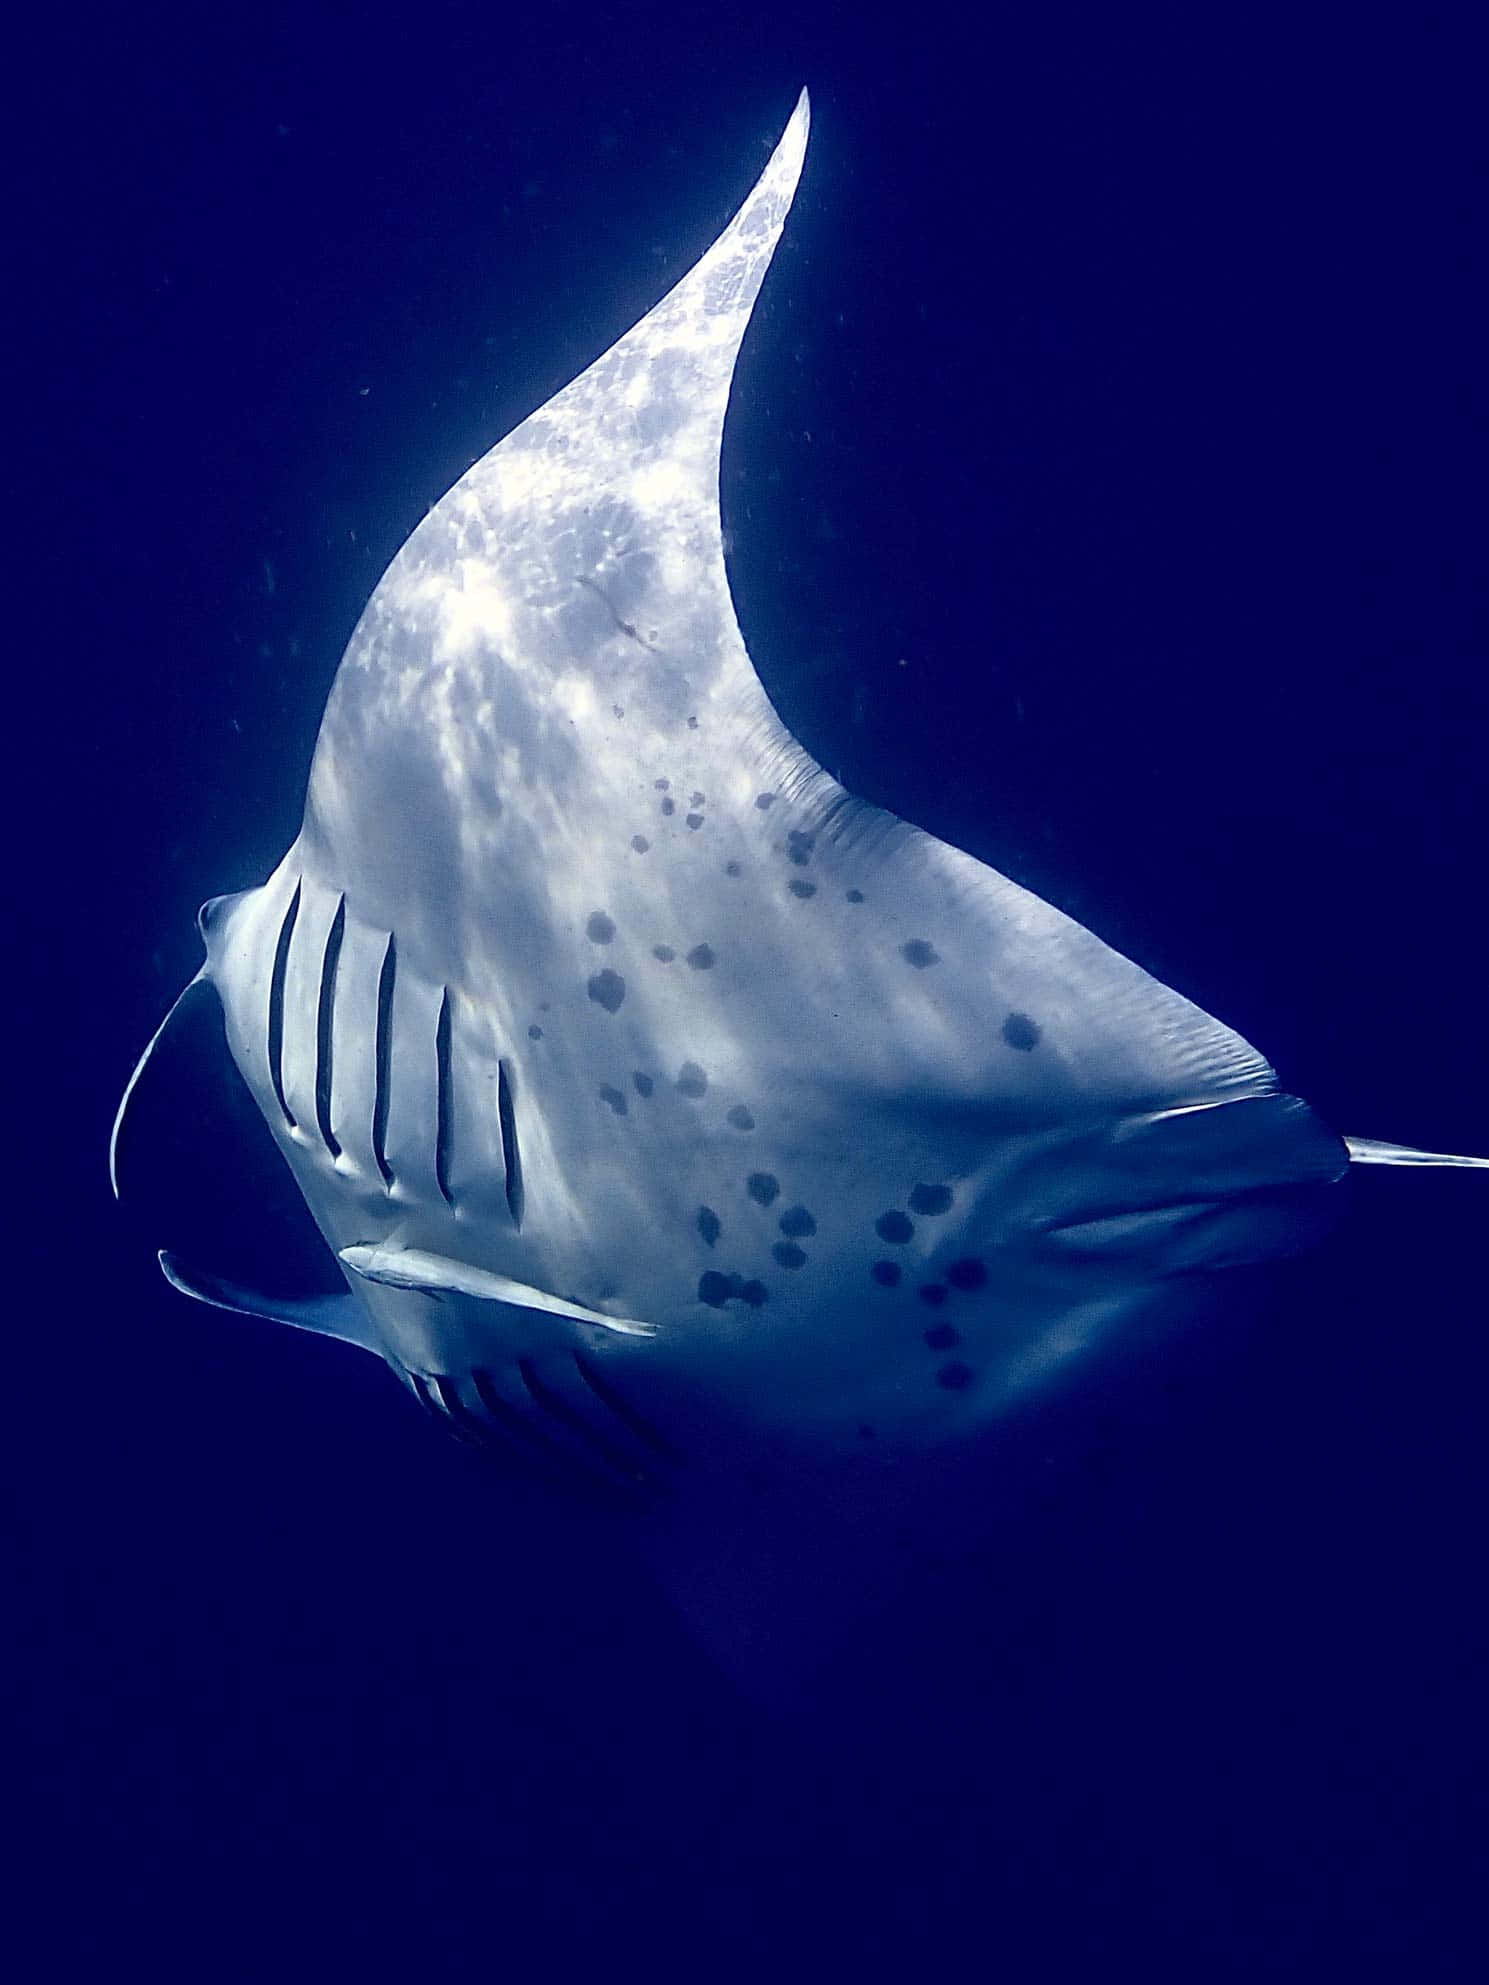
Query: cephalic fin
1372	1151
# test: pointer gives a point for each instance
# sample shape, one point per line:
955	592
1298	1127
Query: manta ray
673	1118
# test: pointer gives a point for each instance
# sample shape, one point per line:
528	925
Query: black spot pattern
535	1032
691	1081
716	1290
695	821
941	1337
731	868
660	785
1021	1032
797	1222
696	799
643	1084
640	843
788	1254
930	1199
739	1118
663	953
701	958
763	1187
854	895
607	989
933	1294
614	1097
969	1273
886	1274
765	801
799	846
919	953
954	1375
803	889
894	1227
669	807
600	929
709	1225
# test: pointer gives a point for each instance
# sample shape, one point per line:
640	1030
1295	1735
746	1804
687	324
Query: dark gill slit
383	1060
511	1157
558	1410
626	1414
442	1125
276	1006
325	1029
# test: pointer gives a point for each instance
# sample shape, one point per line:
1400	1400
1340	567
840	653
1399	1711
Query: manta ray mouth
1199	1234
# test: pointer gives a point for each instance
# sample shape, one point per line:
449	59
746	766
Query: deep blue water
1105	495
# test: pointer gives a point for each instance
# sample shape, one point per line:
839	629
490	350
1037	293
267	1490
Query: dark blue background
1105	484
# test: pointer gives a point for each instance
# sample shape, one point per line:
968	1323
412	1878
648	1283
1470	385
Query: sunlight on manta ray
671	1114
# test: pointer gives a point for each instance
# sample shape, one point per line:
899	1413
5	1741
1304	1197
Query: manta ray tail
1371	1151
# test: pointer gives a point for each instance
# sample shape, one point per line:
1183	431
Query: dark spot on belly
660	785
600	928
954	1375
765	801
643	1083
709	1225
886	1273
799	847
969	1273
895	1227
788	1254
797	1222
694	820
740	1119
669	807
701	958
640	843
614	1097
933	1293
941	1337
931	1199
663	953
920	953
1021	1032
535	1033
691	1081
607	989
763	1187
696	799
716	1290
803	889
731	868
854	895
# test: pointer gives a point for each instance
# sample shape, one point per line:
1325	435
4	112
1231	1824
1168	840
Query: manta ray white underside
661	1103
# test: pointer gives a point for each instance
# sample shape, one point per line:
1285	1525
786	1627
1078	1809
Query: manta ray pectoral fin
330	1316
439	1275
1372	1151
